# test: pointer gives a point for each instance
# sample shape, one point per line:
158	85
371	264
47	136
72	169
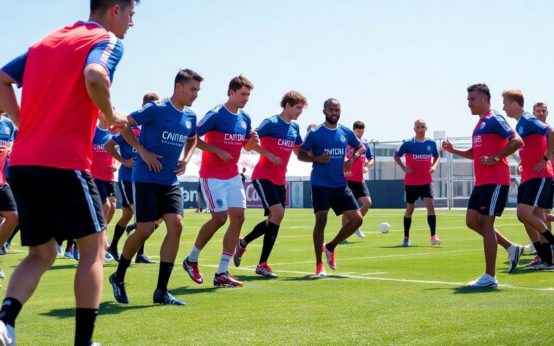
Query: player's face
420	129
123	19
240	97
541	112
332	112
294	111
359	132
477	103
188	92
510	107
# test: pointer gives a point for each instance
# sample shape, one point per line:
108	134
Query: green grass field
380	293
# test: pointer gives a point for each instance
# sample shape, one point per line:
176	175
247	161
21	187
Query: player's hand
346	165
181	166
447	146
366	169
432	170
254	136
129	163
151	160
539	166
408	170
224	156
117	122
487	161
276	160
323	158
3	151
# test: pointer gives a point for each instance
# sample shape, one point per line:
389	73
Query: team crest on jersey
219	203
343	139
428	147
188	124
483	125
243	124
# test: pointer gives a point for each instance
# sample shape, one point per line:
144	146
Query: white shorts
222	194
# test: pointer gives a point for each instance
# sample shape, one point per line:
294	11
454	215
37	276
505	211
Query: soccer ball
384	227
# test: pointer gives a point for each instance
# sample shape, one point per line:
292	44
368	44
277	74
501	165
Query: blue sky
388	62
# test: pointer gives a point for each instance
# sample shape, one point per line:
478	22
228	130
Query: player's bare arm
8	100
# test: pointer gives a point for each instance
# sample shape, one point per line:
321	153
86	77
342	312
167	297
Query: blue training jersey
165	130
334	141
126	151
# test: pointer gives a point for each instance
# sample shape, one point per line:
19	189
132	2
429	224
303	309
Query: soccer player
355	175
327	144
279	137
534	193
8	209
126	156
492	141
226	130
422	159
80	60
168	127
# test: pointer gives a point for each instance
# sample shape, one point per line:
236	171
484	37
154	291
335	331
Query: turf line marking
411	281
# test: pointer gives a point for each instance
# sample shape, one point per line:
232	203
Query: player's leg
412	194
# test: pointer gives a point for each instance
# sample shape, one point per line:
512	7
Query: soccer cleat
59	250
535	260
435	240
485	281
540	266
320	271
239	251
406	242
75	252
514	253
119	292
144	259
108	257
226	280
192	269
2	275
68	254
7	334
359	233
166	298
330	257
3	250
265	270
114	253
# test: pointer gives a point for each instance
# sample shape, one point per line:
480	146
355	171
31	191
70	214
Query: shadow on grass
470	290
402	247
105	309
313	277
187	290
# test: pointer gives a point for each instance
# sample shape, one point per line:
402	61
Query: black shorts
413	192
126	189
551	198
55	203
489	199
535	192
270	194
7	202
359	189
152	201
105	189
339	198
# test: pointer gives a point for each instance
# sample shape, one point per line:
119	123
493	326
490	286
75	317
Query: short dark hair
102	5
238	82
539	104
481	88
328	101
358	125
186	75
150	97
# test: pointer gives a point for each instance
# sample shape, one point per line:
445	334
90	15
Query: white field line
402	280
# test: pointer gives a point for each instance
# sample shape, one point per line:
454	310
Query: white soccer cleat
435	240
485	281
7	334
359	233
514	253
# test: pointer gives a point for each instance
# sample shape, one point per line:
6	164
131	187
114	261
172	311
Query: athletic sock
548	235
84	326
117	233
10	309
122	266
547	253
330	247
224	263
259	230
163	276
432	221
140	251
407	225
194	253
269	240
